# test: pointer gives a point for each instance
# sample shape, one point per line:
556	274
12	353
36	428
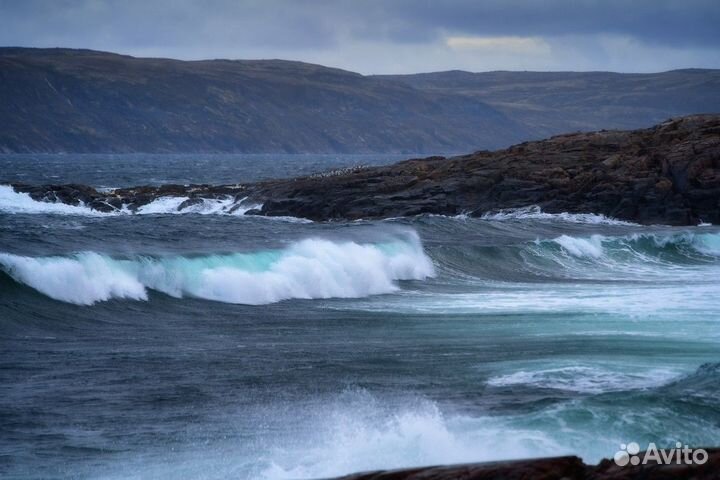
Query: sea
200	344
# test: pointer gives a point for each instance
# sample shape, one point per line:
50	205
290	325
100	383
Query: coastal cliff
667	174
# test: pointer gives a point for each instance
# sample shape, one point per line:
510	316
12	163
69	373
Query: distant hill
549	103
63	100
85	101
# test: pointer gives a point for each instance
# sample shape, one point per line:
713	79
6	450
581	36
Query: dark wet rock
558	468
190	202
668	174
70	194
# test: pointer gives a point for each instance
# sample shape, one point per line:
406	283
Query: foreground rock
566	468
667	174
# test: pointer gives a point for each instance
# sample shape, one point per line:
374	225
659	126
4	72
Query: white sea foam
83	279
582	247
596	246
630	302
587	378
363	434
358	431
312	268
207	206
535	213
16	202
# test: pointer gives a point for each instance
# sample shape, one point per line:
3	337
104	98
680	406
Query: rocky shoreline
667	174
558	468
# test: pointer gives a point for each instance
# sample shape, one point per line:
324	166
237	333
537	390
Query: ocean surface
204	345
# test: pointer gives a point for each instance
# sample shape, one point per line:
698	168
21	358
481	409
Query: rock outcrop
668	174
559	468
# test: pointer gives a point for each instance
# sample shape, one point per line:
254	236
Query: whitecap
581	247
18	202
587	379
535	213
311	268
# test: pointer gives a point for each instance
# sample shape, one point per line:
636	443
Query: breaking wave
18	202
632	256
312	268
359	430
647	246
15	202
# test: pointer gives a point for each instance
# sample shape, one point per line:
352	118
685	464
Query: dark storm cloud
375	35
165	22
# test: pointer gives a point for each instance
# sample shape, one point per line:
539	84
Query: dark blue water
127	170
209	345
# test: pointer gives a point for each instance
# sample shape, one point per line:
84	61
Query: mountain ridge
85	101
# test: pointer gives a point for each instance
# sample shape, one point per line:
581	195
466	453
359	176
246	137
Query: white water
535	213
589	378
354	432
357	431
312	268
581	247
208	206
15	202
83	279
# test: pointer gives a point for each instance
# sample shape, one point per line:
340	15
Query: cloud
508	45
380	36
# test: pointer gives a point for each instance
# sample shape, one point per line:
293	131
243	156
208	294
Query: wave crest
312	268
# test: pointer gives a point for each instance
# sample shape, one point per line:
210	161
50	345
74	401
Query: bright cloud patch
524	45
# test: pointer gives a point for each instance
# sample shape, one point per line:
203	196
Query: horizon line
458	70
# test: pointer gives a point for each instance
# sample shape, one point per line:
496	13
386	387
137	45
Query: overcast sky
385	36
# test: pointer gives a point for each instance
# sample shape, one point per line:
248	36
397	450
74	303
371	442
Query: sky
385	36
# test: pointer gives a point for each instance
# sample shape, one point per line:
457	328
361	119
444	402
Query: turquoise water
217	346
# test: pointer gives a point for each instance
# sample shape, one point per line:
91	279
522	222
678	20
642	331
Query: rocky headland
667	174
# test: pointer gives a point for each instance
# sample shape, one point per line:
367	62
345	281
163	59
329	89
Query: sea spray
311	268
22	203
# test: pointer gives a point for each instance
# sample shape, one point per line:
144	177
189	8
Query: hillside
549	103
86	101
62	100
